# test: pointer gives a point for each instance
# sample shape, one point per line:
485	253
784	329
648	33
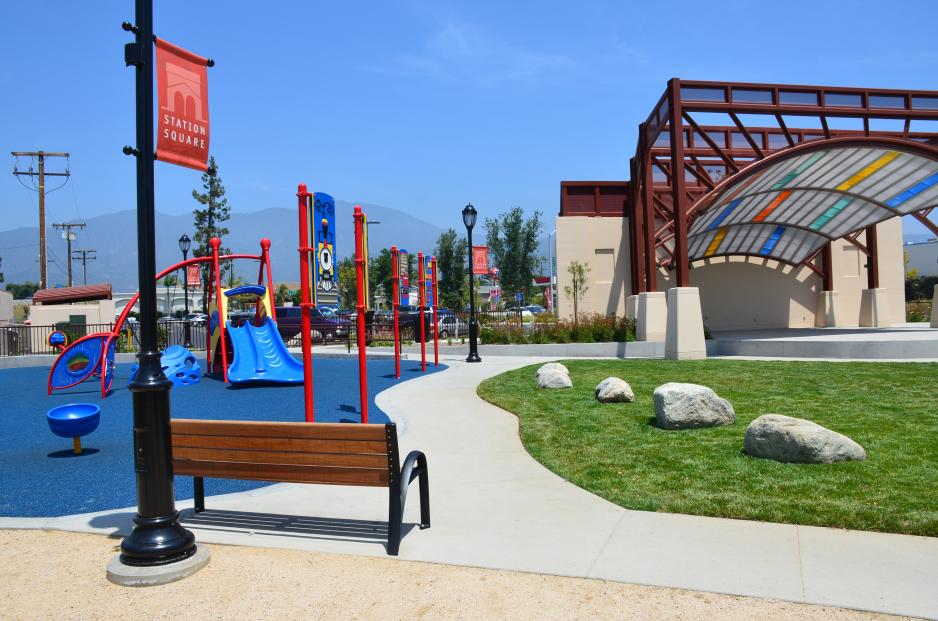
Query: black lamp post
184	244
469	219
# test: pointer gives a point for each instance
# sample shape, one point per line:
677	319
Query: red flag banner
182	123
480	259
193	276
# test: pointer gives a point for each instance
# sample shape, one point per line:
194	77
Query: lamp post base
473	357
123	574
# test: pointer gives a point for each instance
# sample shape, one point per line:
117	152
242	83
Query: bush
593	328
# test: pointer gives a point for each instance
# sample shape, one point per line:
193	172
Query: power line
85	256
69	236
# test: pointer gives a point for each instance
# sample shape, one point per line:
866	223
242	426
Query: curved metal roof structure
788	208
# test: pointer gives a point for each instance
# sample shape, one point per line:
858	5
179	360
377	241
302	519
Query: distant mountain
114	236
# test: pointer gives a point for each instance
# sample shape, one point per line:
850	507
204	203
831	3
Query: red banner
182	123
480	260
193	276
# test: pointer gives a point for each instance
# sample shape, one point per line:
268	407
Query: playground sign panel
182	122
325	285
404	277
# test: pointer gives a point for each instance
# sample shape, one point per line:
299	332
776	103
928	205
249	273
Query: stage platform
909	341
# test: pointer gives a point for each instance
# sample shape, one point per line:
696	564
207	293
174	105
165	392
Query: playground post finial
265	243
301	190
214	243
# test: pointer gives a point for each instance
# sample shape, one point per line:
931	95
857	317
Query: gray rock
688	406
553	366
796	440
614	390
553	379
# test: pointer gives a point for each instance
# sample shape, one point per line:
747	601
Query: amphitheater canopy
789	209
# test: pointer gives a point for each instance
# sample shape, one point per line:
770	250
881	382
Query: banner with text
182	124
193	276
322	221
403	258
480	260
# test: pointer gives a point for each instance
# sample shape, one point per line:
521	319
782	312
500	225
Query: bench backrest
331	453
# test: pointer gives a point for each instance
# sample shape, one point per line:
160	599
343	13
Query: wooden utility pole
85	256
69	236
42	174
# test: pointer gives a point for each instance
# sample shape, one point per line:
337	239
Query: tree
207	219
512	243
24	290
450	254
379	274
345	270
282	295
579	273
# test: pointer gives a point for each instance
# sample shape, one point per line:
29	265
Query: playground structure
427	292
74	421
253	352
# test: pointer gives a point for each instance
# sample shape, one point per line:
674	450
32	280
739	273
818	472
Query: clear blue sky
416	105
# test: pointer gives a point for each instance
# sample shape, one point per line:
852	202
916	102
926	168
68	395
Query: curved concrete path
494	506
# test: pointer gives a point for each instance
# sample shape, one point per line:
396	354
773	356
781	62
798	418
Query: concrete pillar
685	336
874	308
934	308
652	321
828	309
631	307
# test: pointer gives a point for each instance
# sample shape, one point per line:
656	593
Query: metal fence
25	340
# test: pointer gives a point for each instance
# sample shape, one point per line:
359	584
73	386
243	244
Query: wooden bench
328	453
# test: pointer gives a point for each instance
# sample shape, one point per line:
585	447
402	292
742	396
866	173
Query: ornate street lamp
469	219
184	244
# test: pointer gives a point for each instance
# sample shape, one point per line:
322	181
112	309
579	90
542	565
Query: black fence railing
25	340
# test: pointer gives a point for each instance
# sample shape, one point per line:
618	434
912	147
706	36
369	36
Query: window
749	95
700	93
797	98
925	103
843	100
887	101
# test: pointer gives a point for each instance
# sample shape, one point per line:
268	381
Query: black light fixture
184	244
469	214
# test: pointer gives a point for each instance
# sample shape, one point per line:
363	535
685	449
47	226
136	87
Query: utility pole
85	256
42	174
69	237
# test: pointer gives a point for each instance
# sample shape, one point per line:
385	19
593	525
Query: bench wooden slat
317	431
373	477
279	444
347	460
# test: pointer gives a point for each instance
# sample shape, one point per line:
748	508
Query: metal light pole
184	244
469	214
157	538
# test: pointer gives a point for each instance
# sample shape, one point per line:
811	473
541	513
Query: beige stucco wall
96	312
6	308
603	243
736	293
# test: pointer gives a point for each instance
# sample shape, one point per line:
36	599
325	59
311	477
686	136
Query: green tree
579	274
512	241
20	291
345	270
451	264
207	219
282	295
379	274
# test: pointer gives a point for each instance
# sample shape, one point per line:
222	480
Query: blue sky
420	106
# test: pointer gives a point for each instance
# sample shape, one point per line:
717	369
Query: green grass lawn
615	451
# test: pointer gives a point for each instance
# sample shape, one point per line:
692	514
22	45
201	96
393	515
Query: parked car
289	323
452	326
197	318
536	309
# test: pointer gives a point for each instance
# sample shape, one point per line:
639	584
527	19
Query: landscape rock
614	390
553	378
796	440
689	406
553	366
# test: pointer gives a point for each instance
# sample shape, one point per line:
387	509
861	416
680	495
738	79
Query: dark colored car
289	323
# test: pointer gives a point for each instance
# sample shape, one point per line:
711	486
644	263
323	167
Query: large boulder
553	366
689	406
614	390
796	440
553	379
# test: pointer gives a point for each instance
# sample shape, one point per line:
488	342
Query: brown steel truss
680	161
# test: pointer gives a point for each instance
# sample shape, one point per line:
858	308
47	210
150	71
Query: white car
452	326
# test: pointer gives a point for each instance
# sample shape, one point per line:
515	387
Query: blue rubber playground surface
40	476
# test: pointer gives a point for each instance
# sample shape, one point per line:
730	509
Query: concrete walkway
494	506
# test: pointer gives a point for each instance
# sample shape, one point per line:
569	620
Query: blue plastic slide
261	356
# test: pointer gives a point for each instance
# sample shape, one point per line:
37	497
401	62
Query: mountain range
114	237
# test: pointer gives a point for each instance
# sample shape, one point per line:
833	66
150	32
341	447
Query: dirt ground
52	574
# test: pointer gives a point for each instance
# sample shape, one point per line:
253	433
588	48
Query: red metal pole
302	196
215	244
265	261
436	304
360	305
421	303
395	298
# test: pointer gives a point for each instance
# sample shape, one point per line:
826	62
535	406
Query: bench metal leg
199	486
395	517
415	467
